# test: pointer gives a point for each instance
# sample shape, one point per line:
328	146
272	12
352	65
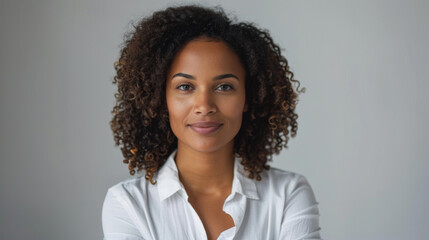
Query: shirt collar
168	180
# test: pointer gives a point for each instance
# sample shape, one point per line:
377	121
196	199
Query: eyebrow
228	75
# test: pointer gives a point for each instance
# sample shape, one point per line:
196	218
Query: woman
202	105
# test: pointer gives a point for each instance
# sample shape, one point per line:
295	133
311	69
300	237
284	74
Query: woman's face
206	96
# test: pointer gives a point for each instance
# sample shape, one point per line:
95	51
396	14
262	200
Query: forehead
205	56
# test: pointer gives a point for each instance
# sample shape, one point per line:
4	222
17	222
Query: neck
206	172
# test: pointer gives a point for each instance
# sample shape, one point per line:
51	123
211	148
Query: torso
209	209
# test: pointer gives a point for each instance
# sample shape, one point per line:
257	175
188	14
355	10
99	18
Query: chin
206	146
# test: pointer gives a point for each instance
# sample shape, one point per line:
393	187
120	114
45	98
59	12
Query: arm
116	221
301	215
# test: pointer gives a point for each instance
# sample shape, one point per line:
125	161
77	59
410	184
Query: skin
206	82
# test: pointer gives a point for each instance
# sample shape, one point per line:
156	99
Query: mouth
205	127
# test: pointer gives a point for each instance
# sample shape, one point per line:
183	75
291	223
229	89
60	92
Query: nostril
205	110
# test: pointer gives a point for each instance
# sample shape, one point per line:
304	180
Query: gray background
362	141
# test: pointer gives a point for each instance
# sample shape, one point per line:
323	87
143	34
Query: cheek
234	110
176	112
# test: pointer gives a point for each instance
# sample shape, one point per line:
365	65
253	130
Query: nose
204	103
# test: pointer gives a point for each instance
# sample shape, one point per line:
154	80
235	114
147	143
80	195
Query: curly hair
140	116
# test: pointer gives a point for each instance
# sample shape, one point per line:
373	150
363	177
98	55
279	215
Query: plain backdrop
362	140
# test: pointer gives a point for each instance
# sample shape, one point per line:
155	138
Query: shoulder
279	177
131	188
128	184
285	184
125	208
132	193
293	194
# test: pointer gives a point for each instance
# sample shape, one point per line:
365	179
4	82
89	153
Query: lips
205	127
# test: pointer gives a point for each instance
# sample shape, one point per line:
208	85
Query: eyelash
189	85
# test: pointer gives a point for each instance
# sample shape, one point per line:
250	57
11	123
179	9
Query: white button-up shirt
280	206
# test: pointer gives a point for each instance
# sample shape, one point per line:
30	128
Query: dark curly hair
140	117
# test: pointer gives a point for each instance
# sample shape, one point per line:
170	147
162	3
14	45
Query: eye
184	87
225	87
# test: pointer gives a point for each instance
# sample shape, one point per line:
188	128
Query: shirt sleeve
116	221
301	215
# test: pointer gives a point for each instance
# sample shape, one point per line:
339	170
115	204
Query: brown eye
184	87
225	87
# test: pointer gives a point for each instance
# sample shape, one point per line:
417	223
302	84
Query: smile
201	129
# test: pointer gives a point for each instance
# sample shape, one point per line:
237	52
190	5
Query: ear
246	107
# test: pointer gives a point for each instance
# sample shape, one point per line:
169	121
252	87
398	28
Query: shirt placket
199	232
235	206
